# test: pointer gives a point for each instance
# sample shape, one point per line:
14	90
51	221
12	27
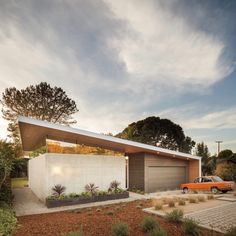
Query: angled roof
35	132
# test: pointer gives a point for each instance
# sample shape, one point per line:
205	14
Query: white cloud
188	117
163	47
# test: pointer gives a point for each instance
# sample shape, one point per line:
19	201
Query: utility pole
219	142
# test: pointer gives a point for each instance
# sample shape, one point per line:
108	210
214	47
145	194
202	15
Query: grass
171	203
158	206
148	224
193	200
175	216
190	226
19	182
210	196
201	198
181	202
75	233
120	229
158	232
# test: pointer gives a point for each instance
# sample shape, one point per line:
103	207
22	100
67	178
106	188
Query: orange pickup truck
209	183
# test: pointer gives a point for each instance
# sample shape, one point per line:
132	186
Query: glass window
205	180
217	179
197	180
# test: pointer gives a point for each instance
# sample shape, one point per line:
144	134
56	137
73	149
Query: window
205	180
217	179
197	180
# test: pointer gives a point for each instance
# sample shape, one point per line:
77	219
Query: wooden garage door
165	177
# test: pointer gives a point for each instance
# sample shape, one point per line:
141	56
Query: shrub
102	193
91	188
231	231
58	189
175	216
201	198
8	222
171	203
181	202
78	211
190	226
75	233
110	213
89	209
73	195
158	206
98	209
120	229
114	185
62	197
148	224
193	200
210	196
6	194
158	232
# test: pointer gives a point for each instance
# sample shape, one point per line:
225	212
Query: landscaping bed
85	199
96	221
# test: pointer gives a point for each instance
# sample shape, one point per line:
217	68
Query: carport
150	168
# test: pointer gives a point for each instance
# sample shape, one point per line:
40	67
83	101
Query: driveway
219	218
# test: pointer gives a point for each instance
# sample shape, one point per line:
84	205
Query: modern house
149	168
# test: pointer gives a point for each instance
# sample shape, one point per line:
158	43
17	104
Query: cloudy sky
122	61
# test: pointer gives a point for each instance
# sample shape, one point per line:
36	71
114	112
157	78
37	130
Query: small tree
6	159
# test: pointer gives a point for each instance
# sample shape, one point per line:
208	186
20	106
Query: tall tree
202	151
158	132
41	102
6	159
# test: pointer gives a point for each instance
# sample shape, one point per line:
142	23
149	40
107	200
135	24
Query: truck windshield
217	179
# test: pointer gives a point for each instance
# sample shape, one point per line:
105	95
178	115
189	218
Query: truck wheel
185	190
214	190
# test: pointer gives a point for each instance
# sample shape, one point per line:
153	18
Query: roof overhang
35	132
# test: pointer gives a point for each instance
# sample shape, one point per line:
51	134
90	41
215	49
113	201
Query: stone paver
220	218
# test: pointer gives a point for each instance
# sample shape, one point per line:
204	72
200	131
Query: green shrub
171	203
6	194
231	231
148	224
181	202
175	216
158	206
73	195
75	233
190	226
110	213
120	229
201	198
89	209
158	232
8	222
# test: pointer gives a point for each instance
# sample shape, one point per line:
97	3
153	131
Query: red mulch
93	223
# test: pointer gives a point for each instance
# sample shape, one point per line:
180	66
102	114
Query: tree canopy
158	132
202	151
41	102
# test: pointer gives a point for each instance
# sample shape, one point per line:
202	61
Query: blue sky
122	61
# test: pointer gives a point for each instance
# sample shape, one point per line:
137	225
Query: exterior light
56	170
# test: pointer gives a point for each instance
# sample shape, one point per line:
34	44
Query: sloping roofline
35	132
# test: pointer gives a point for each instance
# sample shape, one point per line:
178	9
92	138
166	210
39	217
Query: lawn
96	221
19	182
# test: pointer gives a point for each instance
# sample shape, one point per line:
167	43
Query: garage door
165	177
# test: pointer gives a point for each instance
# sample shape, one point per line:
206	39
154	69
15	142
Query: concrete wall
74	171
37	176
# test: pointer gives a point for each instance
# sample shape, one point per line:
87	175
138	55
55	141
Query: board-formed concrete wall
74	171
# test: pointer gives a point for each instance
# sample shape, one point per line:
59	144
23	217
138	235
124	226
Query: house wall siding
74	171
136	171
